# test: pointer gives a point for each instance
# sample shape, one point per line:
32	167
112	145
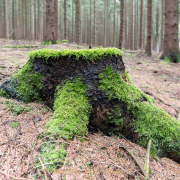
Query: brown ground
20	145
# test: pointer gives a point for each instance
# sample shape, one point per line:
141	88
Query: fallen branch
135	159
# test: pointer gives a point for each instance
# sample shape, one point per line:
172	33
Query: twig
44	169
135	159
146	167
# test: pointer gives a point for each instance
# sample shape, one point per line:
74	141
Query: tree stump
91	90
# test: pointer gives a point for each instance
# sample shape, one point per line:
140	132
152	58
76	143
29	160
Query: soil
98	156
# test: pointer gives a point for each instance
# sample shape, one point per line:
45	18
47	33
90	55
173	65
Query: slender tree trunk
162	25
78	21
1	25
57	21
72	20
114	24
32	19
141	26
6	19
121	32
125	25
95	38
65	19
90	27
50	22
149	28
132	34
105	22
157	30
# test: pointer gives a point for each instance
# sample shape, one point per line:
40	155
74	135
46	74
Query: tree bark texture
78	21
57	31
149	28
65	19
141	26
171	45
121	32
94	30
50	22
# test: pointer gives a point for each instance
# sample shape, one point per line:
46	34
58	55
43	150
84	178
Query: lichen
86	54
151	122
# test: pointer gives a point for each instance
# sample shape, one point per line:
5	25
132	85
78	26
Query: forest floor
98	156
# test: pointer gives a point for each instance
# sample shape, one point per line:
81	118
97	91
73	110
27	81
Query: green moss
52	155
86	54
71	110
151	122
71	116
28	83
14	124
64	41
4	93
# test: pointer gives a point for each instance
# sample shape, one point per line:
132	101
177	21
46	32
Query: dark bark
78	21
65	19
149	28
57	31
121	32
141	27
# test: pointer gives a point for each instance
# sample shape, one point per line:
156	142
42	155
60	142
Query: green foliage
71	110
47	43
52	154
14	124
86	54
15	108
28	83
64	41
151	122
4	93
169	58
115	117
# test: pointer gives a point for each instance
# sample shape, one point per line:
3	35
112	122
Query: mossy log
91	90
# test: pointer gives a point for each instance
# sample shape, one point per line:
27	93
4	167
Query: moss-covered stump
90	89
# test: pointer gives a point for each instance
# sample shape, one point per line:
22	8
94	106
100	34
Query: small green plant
14	124
64	41
57	42
4	93
16	110
115	117
47	43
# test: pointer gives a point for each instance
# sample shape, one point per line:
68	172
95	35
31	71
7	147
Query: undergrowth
151	122
86	54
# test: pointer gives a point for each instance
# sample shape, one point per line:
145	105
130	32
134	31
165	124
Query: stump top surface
85	54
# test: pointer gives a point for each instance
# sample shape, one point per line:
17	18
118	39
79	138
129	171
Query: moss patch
71	116
4	93
28	83
86	54
71	110
151	122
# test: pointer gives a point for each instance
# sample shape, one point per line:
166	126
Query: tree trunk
121	32
72	20
50	22
157	30
6	19
149	28
95	38
65	19
111	100
171	45
141	26
56	20
162	25
78	21
32	20
105	22
1	24
90	27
